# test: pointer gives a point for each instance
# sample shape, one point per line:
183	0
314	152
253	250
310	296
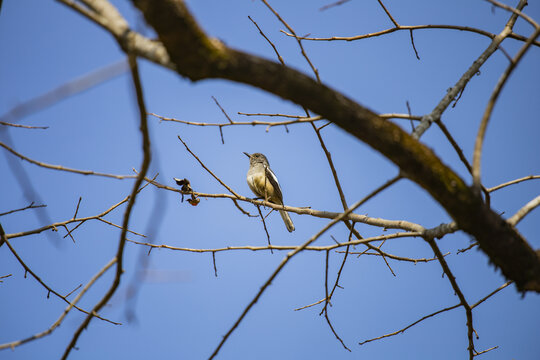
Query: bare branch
299	120
23	126
401	331
64	223
463	81
289	247
458	292
62	168
107	16
289	256
388	224
531	205
57	323
298	40
268	40
39	280
409	28
31	206
388	13
515	11
207	169
265	229
491	103
512	182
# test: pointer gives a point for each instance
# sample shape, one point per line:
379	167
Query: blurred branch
64	91
331	5
131	202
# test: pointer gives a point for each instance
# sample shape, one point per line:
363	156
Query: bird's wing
272	178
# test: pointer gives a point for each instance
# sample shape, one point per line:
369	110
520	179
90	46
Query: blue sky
182	309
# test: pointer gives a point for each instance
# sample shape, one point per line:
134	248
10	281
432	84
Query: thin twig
401	331
410	27
315	71
265	229
77	209
62	168
461	155
23	126
57	323
268	40
214	262
5	276
413	46
31	206
290	247
474	244
512	182
518	216
47	287
119	227
63	223
207	169
516	12
491	103
458	292
298	120
222	110
388	13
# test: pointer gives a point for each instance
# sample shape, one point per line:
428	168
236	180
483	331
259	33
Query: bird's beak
249	156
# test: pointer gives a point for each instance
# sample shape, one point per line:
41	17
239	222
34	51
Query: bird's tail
287	220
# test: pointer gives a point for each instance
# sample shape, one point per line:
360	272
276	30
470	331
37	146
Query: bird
264	183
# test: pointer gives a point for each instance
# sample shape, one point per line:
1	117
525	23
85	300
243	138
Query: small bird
264	183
